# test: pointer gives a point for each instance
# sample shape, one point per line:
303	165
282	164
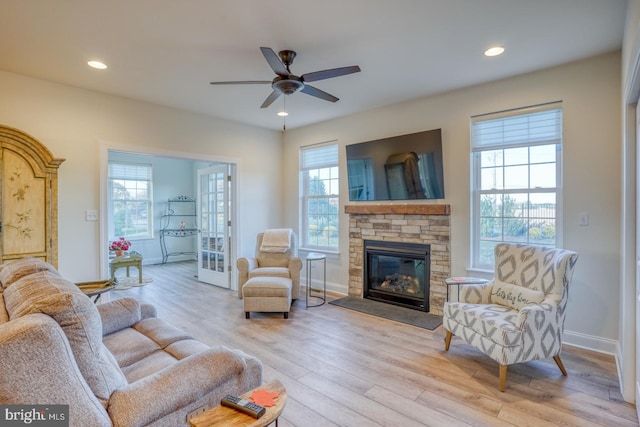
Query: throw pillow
514	296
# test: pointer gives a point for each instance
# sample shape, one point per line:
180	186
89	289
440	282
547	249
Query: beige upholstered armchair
519	315
272	264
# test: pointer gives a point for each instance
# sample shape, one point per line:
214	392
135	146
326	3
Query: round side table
311	257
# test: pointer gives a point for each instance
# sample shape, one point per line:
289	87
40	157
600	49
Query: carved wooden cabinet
29	198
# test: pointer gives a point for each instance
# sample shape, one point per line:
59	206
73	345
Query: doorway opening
177	176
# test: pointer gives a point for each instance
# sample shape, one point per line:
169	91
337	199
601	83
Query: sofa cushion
495	322
514	296
270	272
48	293
15	270
129	346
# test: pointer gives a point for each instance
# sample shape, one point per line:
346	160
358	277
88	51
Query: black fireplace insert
397	273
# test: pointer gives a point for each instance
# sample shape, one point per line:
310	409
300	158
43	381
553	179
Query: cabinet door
25	217
29	198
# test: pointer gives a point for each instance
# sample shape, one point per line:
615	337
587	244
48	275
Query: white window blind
319	157
130	171
541	126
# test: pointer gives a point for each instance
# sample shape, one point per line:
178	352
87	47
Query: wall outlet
198	411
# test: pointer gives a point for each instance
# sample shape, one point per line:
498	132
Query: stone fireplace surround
412	223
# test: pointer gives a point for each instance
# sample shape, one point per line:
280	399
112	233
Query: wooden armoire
29	197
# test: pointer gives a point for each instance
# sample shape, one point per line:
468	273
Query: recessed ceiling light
97	64
494	51
283	113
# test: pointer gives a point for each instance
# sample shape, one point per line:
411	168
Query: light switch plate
91	215
583	219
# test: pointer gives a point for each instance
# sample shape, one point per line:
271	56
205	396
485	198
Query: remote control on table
243	405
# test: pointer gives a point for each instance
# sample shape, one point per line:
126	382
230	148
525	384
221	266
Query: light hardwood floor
344	368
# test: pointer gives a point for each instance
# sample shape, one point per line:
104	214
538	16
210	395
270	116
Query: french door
214	237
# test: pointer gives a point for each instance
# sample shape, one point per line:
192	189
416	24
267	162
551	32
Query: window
319	181
130	201
516	170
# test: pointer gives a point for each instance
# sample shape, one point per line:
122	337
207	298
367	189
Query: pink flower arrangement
120	245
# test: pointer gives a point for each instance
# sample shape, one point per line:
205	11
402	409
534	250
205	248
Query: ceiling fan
287	83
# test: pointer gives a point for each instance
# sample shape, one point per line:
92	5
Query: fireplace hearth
397	273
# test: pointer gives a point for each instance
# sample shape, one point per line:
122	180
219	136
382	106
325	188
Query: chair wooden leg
560	365
447	341
503	377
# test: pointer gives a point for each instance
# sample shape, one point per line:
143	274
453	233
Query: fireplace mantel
398	209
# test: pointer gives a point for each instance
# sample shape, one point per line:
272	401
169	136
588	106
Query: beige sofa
113	364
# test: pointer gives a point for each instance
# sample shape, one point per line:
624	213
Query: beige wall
77	124
590	92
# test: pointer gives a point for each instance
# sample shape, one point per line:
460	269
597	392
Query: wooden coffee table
223	416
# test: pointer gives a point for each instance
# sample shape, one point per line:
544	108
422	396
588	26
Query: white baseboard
590	342
336	288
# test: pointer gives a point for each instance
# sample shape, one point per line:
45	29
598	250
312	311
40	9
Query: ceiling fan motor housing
287	85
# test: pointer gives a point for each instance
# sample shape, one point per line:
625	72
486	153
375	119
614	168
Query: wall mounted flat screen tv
402	167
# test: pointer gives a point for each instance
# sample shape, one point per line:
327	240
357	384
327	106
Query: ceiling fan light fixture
494	51
97	65
287	86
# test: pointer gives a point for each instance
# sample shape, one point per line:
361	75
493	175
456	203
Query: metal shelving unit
179	221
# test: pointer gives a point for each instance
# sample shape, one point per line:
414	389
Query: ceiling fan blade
328	74
243	82
274	61
274	95
310	90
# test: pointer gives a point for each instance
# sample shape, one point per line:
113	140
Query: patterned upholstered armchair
519	315
285	264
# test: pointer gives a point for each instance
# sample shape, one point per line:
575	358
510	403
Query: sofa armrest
245	265
151	398
295	264
147	310
39	368
476	294
530	314
119	314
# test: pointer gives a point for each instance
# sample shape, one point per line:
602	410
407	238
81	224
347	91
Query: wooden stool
267	294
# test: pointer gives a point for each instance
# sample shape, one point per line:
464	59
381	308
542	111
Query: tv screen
402	167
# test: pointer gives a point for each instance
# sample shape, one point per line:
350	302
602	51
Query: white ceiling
167	51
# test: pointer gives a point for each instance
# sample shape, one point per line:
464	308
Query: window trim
110	201
304	197
476	170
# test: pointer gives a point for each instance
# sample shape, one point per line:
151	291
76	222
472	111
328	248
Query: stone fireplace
423	224
397	273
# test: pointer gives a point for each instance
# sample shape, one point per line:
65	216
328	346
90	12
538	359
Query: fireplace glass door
397	273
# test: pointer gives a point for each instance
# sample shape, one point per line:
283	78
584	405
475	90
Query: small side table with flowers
124	258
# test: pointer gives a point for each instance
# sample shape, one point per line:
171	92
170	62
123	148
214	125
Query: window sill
480	272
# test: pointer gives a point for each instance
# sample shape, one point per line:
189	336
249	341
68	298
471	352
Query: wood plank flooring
345	368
